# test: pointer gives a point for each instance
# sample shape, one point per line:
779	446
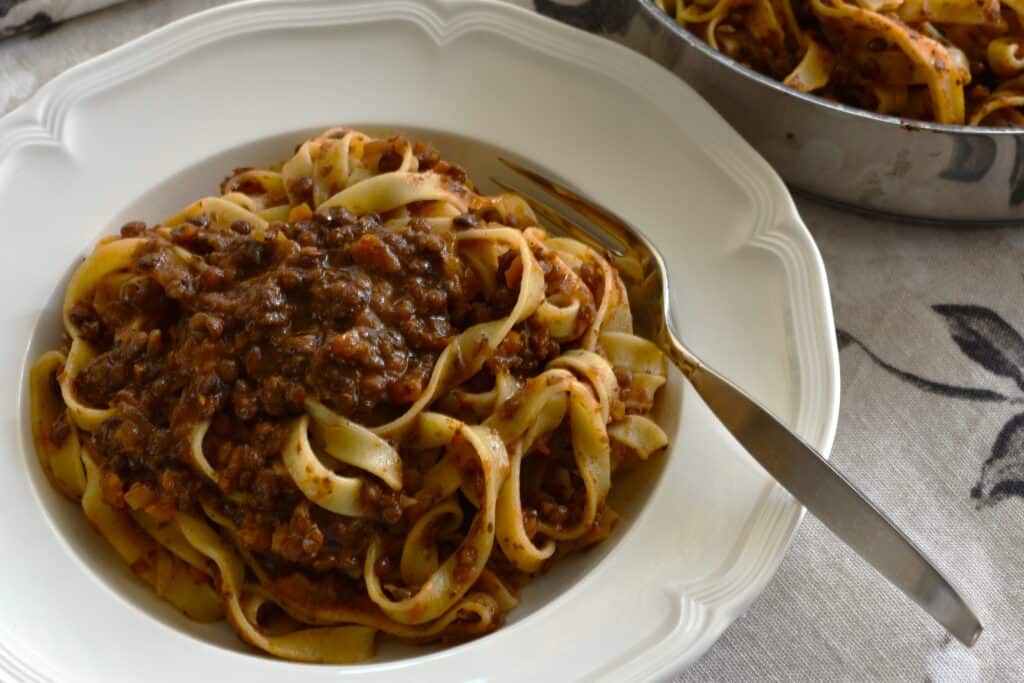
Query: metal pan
863	160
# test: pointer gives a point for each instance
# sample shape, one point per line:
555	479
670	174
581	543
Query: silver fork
811	479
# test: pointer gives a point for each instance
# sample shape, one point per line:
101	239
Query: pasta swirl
948	61
347	396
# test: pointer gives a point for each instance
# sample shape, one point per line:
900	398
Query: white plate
157	122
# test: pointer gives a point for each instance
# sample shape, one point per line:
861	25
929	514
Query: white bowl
148	127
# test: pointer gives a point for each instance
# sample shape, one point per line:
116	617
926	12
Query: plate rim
41	119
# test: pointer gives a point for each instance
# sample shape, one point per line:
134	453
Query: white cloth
941	310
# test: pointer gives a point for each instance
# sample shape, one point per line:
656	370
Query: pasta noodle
948	61
349	395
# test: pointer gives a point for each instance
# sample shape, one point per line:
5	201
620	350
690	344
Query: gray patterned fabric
20	16
931	330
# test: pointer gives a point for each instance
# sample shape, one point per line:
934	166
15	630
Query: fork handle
828	495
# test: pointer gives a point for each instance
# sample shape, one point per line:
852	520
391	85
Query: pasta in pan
347	396
948	61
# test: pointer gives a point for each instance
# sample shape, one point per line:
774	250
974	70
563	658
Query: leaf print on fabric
970	393
986	338
843	339
7	5
37	24
1002	475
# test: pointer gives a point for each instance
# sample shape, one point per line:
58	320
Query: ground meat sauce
216	335
337	308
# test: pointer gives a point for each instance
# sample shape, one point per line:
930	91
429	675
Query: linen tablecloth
931	332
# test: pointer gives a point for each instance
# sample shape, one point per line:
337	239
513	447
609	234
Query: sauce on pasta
948	61
347	396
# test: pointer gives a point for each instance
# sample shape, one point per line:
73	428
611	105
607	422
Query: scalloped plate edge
760	548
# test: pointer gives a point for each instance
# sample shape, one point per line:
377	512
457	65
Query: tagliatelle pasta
948	61
347	396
